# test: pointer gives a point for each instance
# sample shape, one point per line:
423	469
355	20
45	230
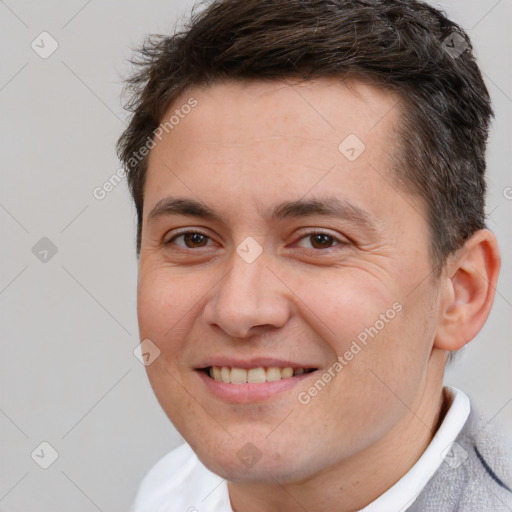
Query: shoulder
178	482
475	475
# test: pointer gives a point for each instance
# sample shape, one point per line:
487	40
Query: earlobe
469	290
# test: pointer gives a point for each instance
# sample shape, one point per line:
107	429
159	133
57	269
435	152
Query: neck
354	483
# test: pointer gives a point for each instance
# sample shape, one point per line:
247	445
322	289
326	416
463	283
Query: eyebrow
328	206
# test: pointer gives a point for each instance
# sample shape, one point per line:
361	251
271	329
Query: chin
258	467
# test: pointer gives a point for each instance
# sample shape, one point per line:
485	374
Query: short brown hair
404	46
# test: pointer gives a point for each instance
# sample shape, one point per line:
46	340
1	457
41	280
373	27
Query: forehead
264	140
323	110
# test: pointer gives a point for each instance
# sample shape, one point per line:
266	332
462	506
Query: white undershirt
180	483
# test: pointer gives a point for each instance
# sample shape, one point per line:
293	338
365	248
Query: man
309	182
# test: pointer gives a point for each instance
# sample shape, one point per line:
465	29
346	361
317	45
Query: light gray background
68	375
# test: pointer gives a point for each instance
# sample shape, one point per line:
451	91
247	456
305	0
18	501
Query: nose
249	296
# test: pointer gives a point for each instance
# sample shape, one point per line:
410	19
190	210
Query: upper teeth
254	375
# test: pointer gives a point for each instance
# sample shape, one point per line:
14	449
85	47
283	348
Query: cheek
346	305
382	335
167	309
165	316
165	304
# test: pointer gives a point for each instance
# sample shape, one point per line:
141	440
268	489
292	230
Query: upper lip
254	362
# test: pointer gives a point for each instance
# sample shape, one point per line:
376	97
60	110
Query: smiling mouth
232	375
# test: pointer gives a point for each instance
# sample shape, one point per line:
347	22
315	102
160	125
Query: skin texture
241	151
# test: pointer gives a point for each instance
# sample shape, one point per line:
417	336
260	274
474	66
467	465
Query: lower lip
250	392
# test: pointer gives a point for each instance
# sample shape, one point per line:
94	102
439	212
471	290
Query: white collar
179	481
403	494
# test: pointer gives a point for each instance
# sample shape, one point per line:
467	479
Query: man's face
266	284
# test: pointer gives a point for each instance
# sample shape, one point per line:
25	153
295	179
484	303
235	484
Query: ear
469	286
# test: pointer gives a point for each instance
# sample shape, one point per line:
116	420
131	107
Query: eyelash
305	235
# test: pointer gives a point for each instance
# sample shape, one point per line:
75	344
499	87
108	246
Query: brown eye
191	239
321	241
